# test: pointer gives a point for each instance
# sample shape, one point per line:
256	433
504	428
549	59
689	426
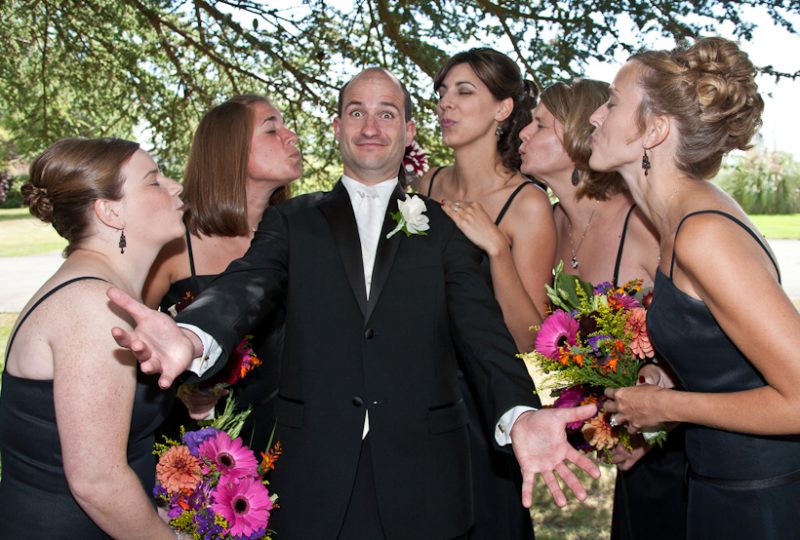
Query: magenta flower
557	330
245	505
232	459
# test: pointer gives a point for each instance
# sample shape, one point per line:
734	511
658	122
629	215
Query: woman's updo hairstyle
502	77
69	176
572	105
709	89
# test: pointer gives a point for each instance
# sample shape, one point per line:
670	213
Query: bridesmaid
242	160
604	236
719	315
76	415
483	104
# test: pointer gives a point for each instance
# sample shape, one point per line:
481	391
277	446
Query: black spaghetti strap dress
740	485
35	500
258	388
650	498
496	478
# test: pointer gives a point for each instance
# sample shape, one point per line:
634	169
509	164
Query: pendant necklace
574	249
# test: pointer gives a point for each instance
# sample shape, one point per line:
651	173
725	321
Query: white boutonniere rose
410	217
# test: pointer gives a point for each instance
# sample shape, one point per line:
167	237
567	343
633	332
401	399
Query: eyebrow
460	83
271	118
152	172
356	103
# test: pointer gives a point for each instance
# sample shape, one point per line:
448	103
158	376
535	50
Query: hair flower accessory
410	217
415	160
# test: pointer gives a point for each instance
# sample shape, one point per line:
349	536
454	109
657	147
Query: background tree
150	68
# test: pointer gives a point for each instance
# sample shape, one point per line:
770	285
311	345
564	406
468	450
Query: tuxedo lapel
339	212
387	249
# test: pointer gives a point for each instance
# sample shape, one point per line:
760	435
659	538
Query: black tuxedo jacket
392	355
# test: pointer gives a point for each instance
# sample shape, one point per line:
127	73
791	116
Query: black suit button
358	401
369	333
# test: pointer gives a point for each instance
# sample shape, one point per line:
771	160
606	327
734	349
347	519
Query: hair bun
531	90
725	87
37	200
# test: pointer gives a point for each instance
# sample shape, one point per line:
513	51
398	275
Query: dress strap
511	198
44	297
189	249
621	247
433	177
735	220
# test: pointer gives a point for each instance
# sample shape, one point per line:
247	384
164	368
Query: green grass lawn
778	226
22	234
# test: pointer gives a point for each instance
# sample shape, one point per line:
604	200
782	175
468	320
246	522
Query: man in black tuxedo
369	412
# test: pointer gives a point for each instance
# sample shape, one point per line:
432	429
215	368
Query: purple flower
571	397
193	439
596	341
603	288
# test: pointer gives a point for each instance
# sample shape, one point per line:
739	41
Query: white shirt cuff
502	431
211	351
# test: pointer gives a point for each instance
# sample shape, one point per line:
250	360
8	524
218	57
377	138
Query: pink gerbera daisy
557	330
245	505
232	459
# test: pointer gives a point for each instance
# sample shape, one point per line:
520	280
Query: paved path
21	276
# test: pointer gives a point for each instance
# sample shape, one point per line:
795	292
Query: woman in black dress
604	236
719	316
242	159
76	414
483	103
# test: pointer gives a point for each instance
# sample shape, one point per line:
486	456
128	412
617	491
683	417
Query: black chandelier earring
645	162
576	177
498	131
123	242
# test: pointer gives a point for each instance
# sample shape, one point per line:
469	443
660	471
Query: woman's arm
521	265
720	264
93	385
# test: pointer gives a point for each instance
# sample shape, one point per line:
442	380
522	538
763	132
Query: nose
445	103
291	137
525	133
173	188
370	125
597	117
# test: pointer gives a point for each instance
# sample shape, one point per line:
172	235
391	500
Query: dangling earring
498	131
576	177
123	242
645	161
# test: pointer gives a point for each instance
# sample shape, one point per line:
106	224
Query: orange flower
268	459
599	433
178	469
640	341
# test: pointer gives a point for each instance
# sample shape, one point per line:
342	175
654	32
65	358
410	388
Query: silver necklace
574	263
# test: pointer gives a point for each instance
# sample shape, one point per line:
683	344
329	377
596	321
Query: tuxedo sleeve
500	379
248	290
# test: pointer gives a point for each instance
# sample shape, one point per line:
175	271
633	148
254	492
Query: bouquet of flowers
594	338
243	359
212	486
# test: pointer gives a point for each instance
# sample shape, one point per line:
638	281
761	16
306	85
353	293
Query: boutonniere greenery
410	217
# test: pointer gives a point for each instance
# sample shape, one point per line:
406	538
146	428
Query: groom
369	412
